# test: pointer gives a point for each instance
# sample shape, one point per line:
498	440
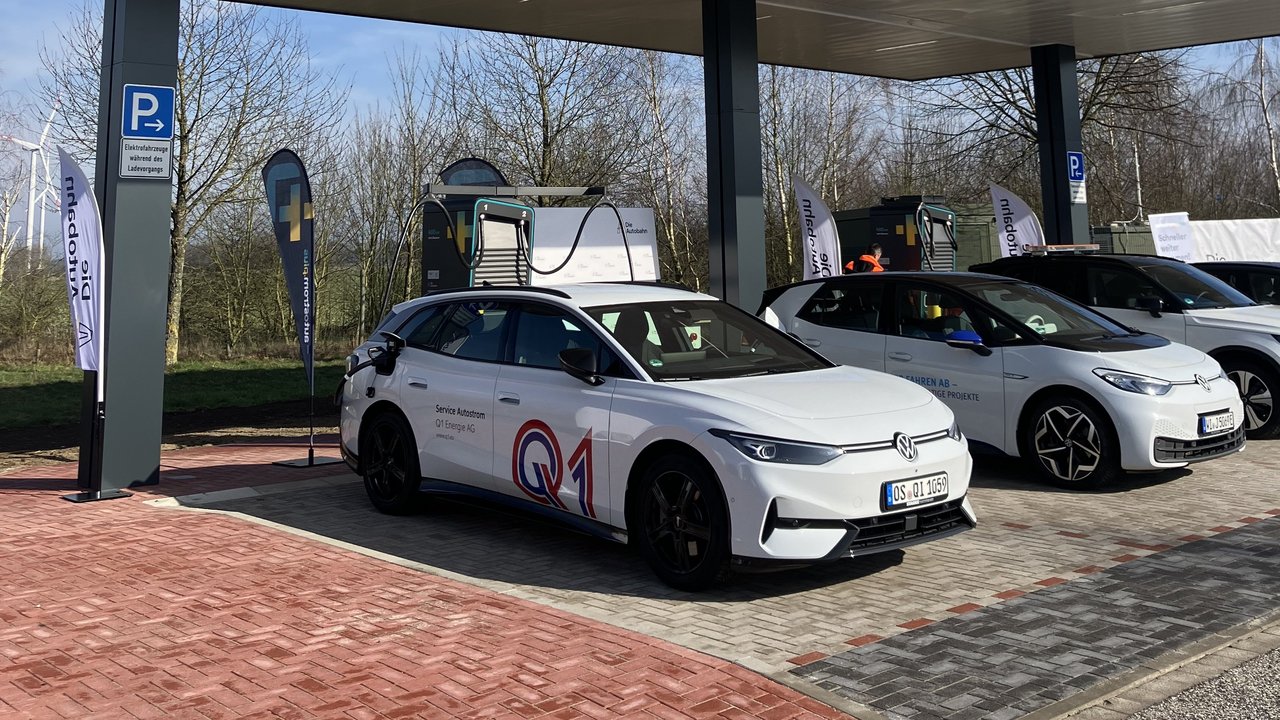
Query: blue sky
359	49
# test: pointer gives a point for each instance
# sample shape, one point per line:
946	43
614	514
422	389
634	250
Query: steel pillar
734	185
1057	100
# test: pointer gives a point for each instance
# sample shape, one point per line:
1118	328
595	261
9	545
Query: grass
34	396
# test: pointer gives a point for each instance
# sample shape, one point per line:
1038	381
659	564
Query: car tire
389	460
1071	443
682	526
1257	385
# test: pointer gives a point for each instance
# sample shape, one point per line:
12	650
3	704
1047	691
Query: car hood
828	394
1174	362
1257	318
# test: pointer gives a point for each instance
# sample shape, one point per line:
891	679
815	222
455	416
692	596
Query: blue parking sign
147	112
1075	166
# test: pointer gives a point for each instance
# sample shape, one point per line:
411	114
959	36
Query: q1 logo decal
538	469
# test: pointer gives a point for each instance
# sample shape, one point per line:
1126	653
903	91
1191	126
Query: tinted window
474	330
1194	288
1119	287
702	339
1263	288
845	305
422	326
543	331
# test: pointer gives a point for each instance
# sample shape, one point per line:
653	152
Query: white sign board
1173	236
600	255
146	159
1254	239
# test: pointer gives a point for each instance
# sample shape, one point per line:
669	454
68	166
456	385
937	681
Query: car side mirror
968	340
384	360
1152	305
581	363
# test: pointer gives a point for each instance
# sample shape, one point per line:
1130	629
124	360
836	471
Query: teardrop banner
292	217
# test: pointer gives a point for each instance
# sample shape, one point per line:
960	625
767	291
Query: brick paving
120	609
1002	662
1030	538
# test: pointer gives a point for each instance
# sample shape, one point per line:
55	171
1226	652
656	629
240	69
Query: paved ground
1046	568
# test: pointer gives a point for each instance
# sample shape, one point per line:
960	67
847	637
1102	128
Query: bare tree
245	87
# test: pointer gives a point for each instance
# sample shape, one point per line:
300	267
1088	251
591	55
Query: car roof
583	295
1127	258
1239	263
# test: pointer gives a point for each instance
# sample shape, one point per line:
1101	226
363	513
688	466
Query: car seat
632	332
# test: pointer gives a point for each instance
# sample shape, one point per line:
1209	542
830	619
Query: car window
1194	288
418	330
542	331
474	330
702	339
929	313
1119	287
845	305
1043	311
1263	288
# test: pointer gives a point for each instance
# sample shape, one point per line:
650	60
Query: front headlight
779	451
1134	383
953	432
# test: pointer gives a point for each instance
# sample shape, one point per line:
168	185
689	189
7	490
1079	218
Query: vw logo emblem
1202	382
905	445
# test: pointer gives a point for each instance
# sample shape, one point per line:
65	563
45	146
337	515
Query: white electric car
1027	372
651	414
1181	302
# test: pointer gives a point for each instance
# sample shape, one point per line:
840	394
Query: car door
551	430
1120	292
970	383
842	321
447	388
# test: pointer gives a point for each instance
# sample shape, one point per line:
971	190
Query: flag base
308	462
95	495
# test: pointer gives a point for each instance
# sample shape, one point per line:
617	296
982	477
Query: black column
139	46
734	185
1057	99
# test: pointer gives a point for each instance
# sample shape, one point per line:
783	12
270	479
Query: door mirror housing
1151	304
968	340
581	363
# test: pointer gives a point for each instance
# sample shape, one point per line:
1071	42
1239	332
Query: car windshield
701	340
1195	288
1044	311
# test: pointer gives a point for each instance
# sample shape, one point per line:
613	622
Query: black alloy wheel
683	525
389	457
1071	444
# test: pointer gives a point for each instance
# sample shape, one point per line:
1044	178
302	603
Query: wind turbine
36	148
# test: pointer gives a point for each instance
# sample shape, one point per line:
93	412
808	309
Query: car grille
906	526
1170	450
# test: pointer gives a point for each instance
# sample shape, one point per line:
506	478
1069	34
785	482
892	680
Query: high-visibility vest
871	260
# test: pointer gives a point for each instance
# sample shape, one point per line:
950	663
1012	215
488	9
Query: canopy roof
904	39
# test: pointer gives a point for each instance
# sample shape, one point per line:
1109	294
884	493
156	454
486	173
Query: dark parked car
1259	280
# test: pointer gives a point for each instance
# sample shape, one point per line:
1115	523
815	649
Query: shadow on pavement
1006	473
488	543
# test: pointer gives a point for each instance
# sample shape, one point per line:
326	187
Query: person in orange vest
867	263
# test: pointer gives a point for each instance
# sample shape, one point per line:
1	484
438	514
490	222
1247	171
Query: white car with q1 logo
644	413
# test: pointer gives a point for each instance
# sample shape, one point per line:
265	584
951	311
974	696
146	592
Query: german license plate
907	493
1217	423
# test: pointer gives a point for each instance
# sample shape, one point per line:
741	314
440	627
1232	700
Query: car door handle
417	382
812	342
900	356
509	398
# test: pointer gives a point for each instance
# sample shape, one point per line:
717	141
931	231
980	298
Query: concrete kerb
195	500
1163	665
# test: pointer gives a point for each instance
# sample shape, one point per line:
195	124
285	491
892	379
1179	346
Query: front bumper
808	513
1162	432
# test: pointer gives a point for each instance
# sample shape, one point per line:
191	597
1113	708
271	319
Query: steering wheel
1034	320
